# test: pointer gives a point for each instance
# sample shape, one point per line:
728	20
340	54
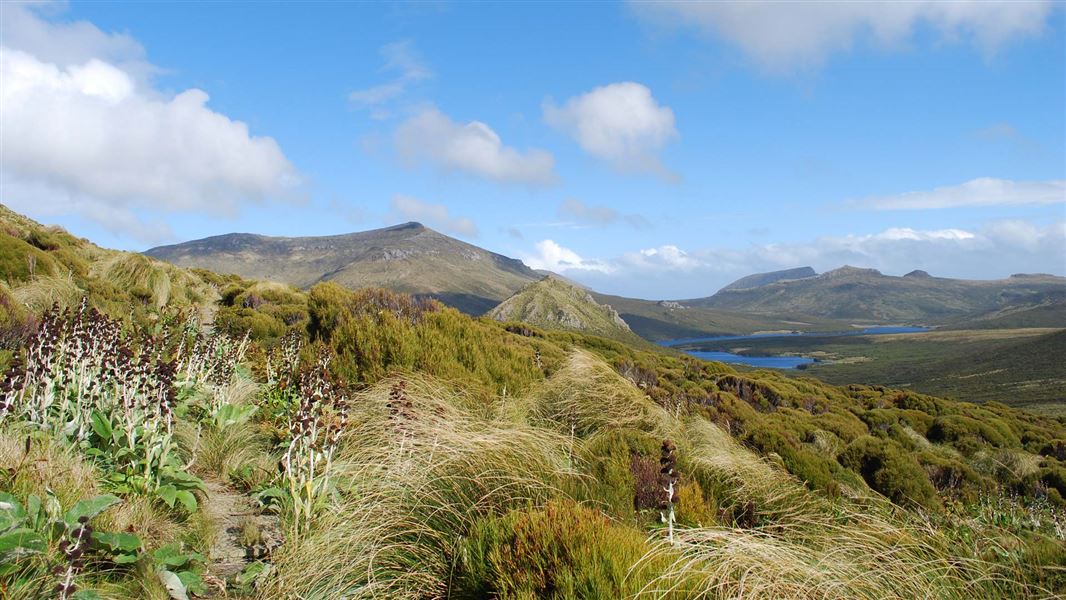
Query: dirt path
235	517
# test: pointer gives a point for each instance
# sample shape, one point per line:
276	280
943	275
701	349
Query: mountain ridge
408	257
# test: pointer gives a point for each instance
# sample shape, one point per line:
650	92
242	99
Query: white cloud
436	216
583	215
621	123
789	35
402	59
69	43
997	249
553	257
472	148
85	134
985	191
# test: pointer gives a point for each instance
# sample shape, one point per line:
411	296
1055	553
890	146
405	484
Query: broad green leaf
187	500
90	508
86	595
125	559
101	425
20	542
11	512
174	585
253	573
118	542
33	510
193	582
170	556
167	494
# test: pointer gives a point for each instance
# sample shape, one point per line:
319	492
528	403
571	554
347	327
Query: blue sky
651	150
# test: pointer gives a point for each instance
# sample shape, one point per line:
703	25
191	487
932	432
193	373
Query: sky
654	150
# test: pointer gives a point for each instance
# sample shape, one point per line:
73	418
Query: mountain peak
410	225
850	271
407	257
554	303
919	274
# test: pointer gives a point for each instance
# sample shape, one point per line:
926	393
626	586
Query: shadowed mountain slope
761	279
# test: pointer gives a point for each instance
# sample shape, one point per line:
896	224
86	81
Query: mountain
553	303
761	279
409	258
867	295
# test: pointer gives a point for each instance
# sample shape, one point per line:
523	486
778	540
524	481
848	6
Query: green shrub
562	550
889	469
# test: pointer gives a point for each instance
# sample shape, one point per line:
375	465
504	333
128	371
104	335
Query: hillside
669	320
761	279
41	266
866	295
409	258
552	303
329	443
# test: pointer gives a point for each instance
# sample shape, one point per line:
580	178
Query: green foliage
887	468
374	331
562	550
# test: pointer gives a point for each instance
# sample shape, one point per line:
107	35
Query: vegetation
1019	367
865	295
555	304
367	444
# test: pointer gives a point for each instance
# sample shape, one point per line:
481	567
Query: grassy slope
1021	367
663	321
555	304
66	268
868	296
407	258
475	494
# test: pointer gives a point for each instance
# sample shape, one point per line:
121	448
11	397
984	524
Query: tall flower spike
668	482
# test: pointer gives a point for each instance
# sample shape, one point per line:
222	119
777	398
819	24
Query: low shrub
563	550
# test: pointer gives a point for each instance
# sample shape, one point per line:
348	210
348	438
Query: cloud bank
472	148
985	191
620	123
83	134
784	36
997	249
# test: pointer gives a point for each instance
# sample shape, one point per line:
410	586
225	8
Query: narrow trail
235	516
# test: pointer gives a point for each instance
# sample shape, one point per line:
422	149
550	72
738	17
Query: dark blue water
775	362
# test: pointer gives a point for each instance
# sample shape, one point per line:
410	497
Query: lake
774	362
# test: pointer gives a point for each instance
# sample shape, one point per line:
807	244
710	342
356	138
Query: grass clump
561	550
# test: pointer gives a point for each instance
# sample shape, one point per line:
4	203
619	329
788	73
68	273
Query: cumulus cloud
985	191
997	249
553	257
597	216
84	133
472	148
621	123
436	216
787	35
402	59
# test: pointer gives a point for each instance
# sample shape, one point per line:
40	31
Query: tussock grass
589	396
49	465
407	491
43	292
